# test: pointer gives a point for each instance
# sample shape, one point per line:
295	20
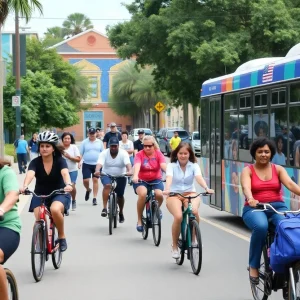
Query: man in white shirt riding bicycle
114	162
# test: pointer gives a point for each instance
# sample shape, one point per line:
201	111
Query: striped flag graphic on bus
268	73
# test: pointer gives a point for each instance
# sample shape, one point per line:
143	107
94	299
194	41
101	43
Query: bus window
205	127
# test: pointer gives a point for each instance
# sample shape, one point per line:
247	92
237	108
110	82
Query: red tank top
266	190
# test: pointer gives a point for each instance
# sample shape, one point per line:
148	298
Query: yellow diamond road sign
159	106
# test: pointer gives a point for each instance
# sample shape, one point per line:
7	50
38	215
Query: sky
101	13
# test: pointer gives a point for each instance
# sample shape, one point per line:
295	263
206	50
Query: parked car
133	135
161	130
195	142
164	141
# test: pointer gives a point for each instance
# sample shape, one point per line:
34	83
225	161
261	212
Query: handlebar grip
1	218
260	206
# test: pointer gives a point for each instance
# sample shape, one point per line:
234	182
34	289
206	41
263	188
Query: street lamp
18	74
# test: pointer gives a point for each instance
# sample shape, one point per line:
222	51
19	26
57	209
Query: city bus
261	98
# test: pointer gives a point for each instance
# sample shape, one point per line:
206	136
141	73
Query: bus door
215	151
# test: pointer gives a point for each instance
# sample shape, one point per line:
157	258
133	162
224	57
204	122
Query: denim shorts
121	184
73	176
158	186
9	242
64	199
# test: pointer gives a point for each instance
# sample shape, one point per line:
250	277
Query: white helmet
48	137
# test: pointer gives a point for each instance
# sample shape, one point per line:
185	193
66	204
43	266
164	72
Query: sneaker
73	204
175	254
104	212
67	213
121	218
87	194
63	245
95	201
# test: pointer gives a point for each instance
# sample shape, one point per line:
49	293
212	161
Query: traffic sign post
16	101
159	106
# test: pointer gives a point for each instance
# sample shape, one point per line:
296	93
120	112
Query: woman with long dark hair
180	176
10	226
51	173
72	155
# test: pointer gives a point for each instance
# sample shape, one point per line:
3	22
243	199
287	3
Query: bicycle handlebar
59	191
159	181
112	176
189	197
266	206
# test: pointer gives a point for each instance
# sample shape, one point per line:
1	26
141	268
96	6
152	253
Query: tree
190	41
53	36
25	8
76	23
133	93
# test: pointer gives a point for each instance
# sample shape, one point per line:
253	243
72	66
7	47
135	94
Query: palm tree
55	32
25	8
77	23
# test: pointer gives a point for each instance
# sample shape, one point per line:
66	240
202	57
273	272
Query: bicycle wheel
38	251
12	285
196	247
295	295
145	224
115	210
181	246
110	212
156	224
56	254
263	290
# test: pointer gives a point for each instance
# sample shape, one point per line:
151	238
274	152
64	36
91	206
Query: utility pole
18	74
1	98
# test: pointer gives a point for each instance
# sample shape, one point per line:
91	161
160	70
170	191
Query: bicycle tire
263	270
12	285
296	272
57	254
156	224
115	210
181	246
145	224
38	235
110	213
196	262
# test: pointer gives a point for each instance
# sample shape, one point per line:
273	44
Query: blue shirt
279	159
22	147
33	145
90	151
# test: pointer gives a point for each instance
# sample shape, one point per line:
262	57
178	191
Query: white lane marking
239	235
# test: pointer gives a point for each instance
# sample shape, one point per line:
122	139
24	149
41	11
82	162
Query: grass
9	149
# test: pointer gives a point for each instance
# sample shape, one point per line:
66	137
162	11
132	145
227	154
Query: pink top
150	167
266	190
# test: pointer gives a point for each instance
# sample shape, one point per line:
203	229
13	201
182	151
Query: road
125	267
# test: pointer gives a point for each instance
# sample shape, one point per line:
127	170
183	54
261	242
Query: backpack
16	143
286	246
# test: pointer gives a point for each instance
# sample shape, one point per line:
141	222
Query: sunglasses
148	146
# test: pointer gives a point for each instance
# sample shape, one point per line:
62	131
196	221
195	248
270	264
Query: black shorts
88	171
9	242
64	199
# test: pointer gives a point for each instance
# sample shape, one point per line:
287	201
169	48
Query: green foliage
24	7
190	41
9	149
76	23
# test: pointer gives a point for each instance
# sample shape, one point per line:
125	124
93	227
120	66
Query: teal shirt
8	183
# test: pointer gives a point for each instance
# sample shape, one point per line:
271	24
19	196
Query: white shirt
183	181
74	152
126	146
114	166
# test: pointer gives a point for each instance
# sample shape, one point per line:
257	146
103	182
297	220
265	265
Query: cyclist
138	144
127	145
10	227
72	155
148	164
112	133
90	149
180	175
115	162
51	173
261	182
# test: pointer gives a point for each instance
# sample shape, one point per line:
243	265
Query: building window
94	87
261	99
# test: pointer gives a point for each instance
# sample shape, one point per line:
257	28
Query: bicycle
270	280
151	217
44	238
112	211
190	229
12	286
